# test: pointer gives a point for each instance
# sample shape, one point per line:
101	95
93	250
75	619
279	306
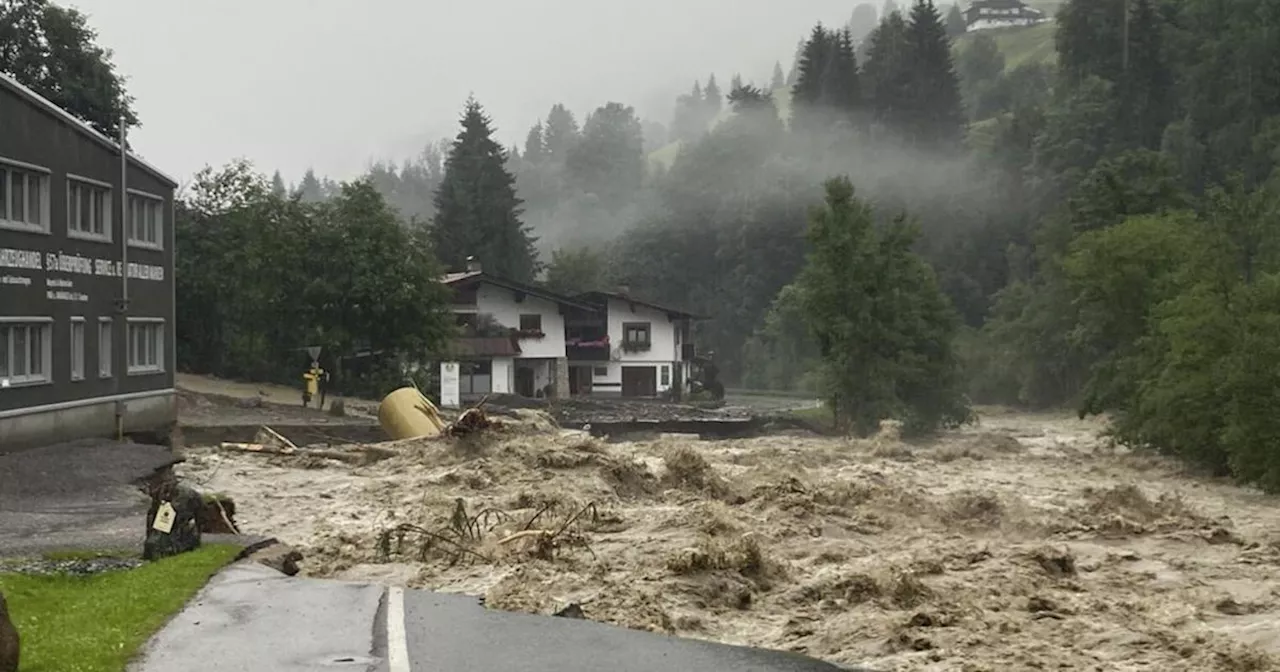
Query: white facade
1003	22
663	352
501	303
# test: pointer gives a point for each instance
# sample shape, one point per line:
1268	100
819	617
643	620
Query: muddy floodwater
1025	542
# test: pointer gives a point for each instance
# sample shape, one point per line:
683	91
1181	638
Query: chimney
624	290
473	265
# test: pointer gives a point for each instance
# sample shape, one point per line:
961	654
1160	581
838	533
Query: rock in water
9	648
280	557
188	519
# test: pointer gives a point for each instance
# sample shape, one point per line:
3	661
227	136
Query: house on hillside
985	14
86	280
522	339
512	336
628	347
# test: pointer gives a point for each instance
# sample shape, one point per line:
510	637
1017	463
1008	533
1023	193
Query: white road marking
397	645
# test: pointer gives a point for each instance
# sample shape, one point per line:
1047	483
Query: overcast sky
336	83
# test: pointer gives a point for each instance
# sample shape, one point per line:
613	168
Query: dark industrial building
86	281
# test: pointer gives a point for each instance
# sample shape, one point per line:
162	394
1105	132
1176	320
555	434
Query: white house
525	340
984	14
514	336
628	346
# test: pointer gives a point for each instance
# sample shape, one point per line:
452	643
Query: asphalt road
75	495
252	618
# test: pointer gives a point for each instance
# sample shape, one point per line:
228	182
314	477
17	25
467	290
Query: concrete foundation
154	412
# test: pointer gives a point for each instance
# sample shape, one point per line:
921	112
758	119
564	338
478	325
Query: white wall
662	333
665	349
989	23
501	304
503	375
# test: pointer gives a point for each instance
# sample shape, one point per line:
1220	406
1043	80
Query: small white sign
165	515
450	385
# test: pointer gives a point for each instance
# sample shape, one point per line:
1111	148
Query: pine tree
1146	82
534	148
887	70
277	186
477	210
713	97
890	7
793	75
935	114
843	90
310	190
735	82
560	134
956	25
812	68
778	80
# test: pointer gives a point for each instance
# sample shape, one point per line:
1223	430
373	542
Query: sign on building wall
57	272
450	385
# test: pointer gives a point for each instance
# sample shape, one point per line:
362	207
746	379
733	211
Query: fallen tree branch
279	437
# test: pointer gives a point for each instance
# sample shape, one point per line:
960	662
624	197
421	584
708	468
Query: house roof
38	100
485	346
604	296
473	277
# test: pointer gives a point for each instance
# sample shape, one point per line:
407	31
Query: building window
666	376
635	336
600	372
24	198
88	209
105	351
531	326
146	346
77	348
146	220
25	351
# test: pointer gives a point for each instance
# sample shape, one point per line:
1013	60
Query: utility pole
1125	58
120	334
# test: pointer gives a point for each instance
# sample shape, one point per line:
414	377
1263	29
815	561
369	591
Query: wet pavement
250	617
75	495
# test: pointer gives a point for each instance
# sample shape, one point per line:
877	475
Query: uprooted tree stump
179	511
219	515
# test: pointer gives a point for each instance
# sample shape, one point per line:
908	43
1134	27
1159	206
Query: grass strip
97	623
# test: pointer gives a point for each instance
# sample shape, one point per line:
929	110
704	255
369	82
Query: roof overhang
85	129
478	277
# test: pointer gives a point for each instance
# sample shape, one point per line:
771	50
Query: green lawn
97	623
1021	44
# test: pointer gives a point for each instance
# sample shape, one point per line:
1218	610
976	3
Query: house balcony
587	350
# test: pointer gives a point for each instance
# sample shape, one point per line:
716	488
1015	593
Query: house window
25	351
600	372
666	376
88	209
146	346
77	348
531	324
635	336
105	351
24	197
146	220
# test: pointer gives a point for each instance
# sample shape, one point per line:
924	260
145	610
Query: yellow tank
407	414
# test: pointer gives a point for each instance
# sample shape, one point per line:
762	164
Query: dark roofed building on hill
984	14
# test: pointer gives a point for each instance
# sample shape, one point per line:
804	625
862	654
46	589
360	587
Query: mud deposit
1023	543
